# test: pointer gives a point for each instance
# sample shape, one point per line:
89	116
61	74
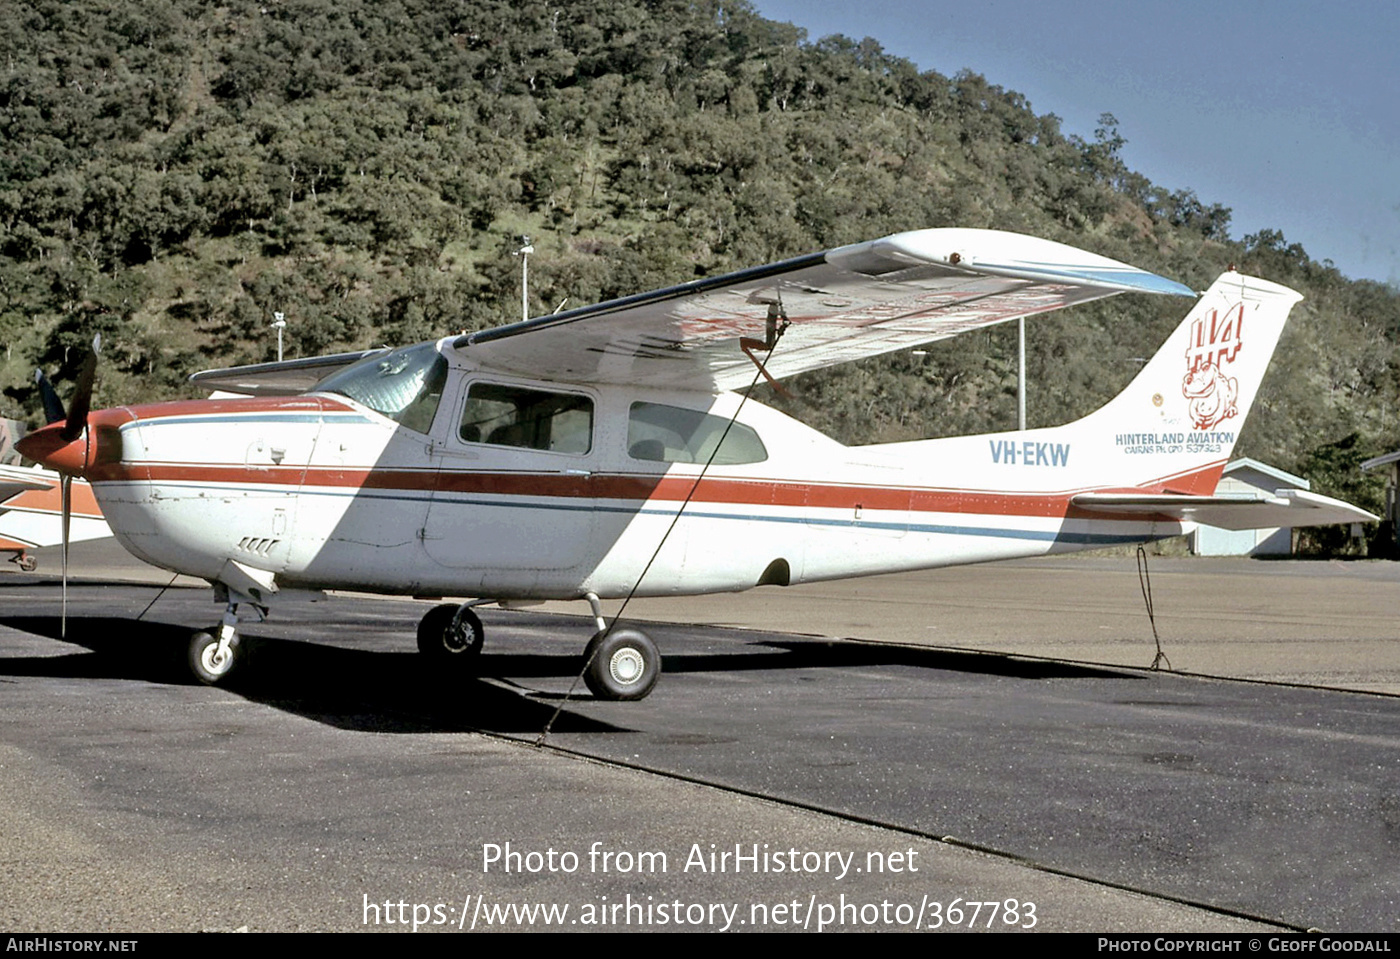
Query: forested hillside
173	172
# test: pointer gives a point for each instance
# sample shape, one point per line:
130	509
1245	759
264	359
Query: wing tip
1002	253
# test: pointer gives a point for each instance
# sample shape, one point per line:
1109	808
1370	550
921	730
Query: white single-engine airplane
550	458
31	506
32	515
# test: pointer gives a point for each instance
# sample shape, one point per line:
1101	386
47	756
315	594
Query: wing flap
1235	511
846	304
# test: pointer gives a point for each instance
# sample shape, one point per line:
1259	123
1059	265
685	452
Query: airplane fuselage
320	491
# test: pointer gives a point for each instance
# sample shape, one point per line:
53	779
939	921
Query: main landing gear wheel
622	665
444	636
208	662
27	563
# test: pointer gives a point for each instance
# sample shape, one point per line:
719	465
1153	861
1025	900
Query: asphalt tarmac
339	785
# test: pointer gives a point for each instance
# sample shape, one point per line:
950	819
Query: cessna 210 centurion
32	514
551	458
32	502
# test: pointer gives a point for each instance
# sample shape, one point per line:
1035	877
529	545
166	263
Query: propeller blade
82	395
53	406
66	487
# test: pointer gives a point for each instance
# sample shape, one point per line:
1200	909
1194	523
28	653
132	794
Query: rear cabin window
672	434
501	415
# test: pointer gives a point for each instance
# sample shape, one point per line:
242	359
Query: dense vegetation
172	172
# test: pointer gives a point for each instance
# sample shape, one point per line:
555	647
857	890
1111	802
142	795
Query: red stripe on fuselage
240	404
634	487
643	488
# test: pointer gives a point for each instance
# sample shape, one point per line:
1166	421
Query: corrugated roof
1244	462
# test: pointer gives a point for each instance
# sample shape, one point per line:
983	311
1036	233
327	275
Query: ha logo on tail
1215	342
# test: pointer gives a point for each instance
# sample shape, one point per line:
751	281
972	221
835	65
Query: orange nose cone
98	446
47	447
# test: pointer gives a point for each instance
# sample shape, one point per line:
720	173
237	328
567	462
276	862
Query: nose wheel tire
209	664
622	665
441	641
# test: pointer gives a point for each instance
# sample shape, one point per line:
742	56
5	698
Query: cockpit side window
672	434
501	415
405	385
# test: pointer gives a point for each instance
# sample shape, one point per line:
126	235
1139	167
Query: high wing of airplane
607	451
31	513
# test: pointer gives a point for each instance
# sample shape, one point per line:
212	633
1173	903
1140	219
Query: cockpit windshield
405	385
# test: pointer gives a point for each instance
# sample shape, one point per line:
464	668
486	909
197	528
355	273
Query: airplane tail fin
1175	425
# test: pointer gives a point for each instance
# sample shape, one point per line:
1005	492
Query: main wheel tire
28	564
208	666
622	665
440	642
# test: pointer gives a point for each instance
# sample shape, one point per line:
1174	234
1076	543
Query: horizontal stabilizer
16	479
1236	511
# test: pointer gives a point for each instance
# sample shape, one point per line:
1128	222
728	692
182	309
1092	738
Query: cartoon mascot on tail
1212	395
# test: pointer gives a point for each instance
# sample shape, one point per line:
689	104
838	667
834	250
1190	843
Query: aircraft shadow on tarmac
390	691
836	654
365	690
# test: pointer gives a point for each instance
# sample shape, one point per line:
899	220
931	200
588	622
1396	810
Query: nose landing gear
213	653
211	658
